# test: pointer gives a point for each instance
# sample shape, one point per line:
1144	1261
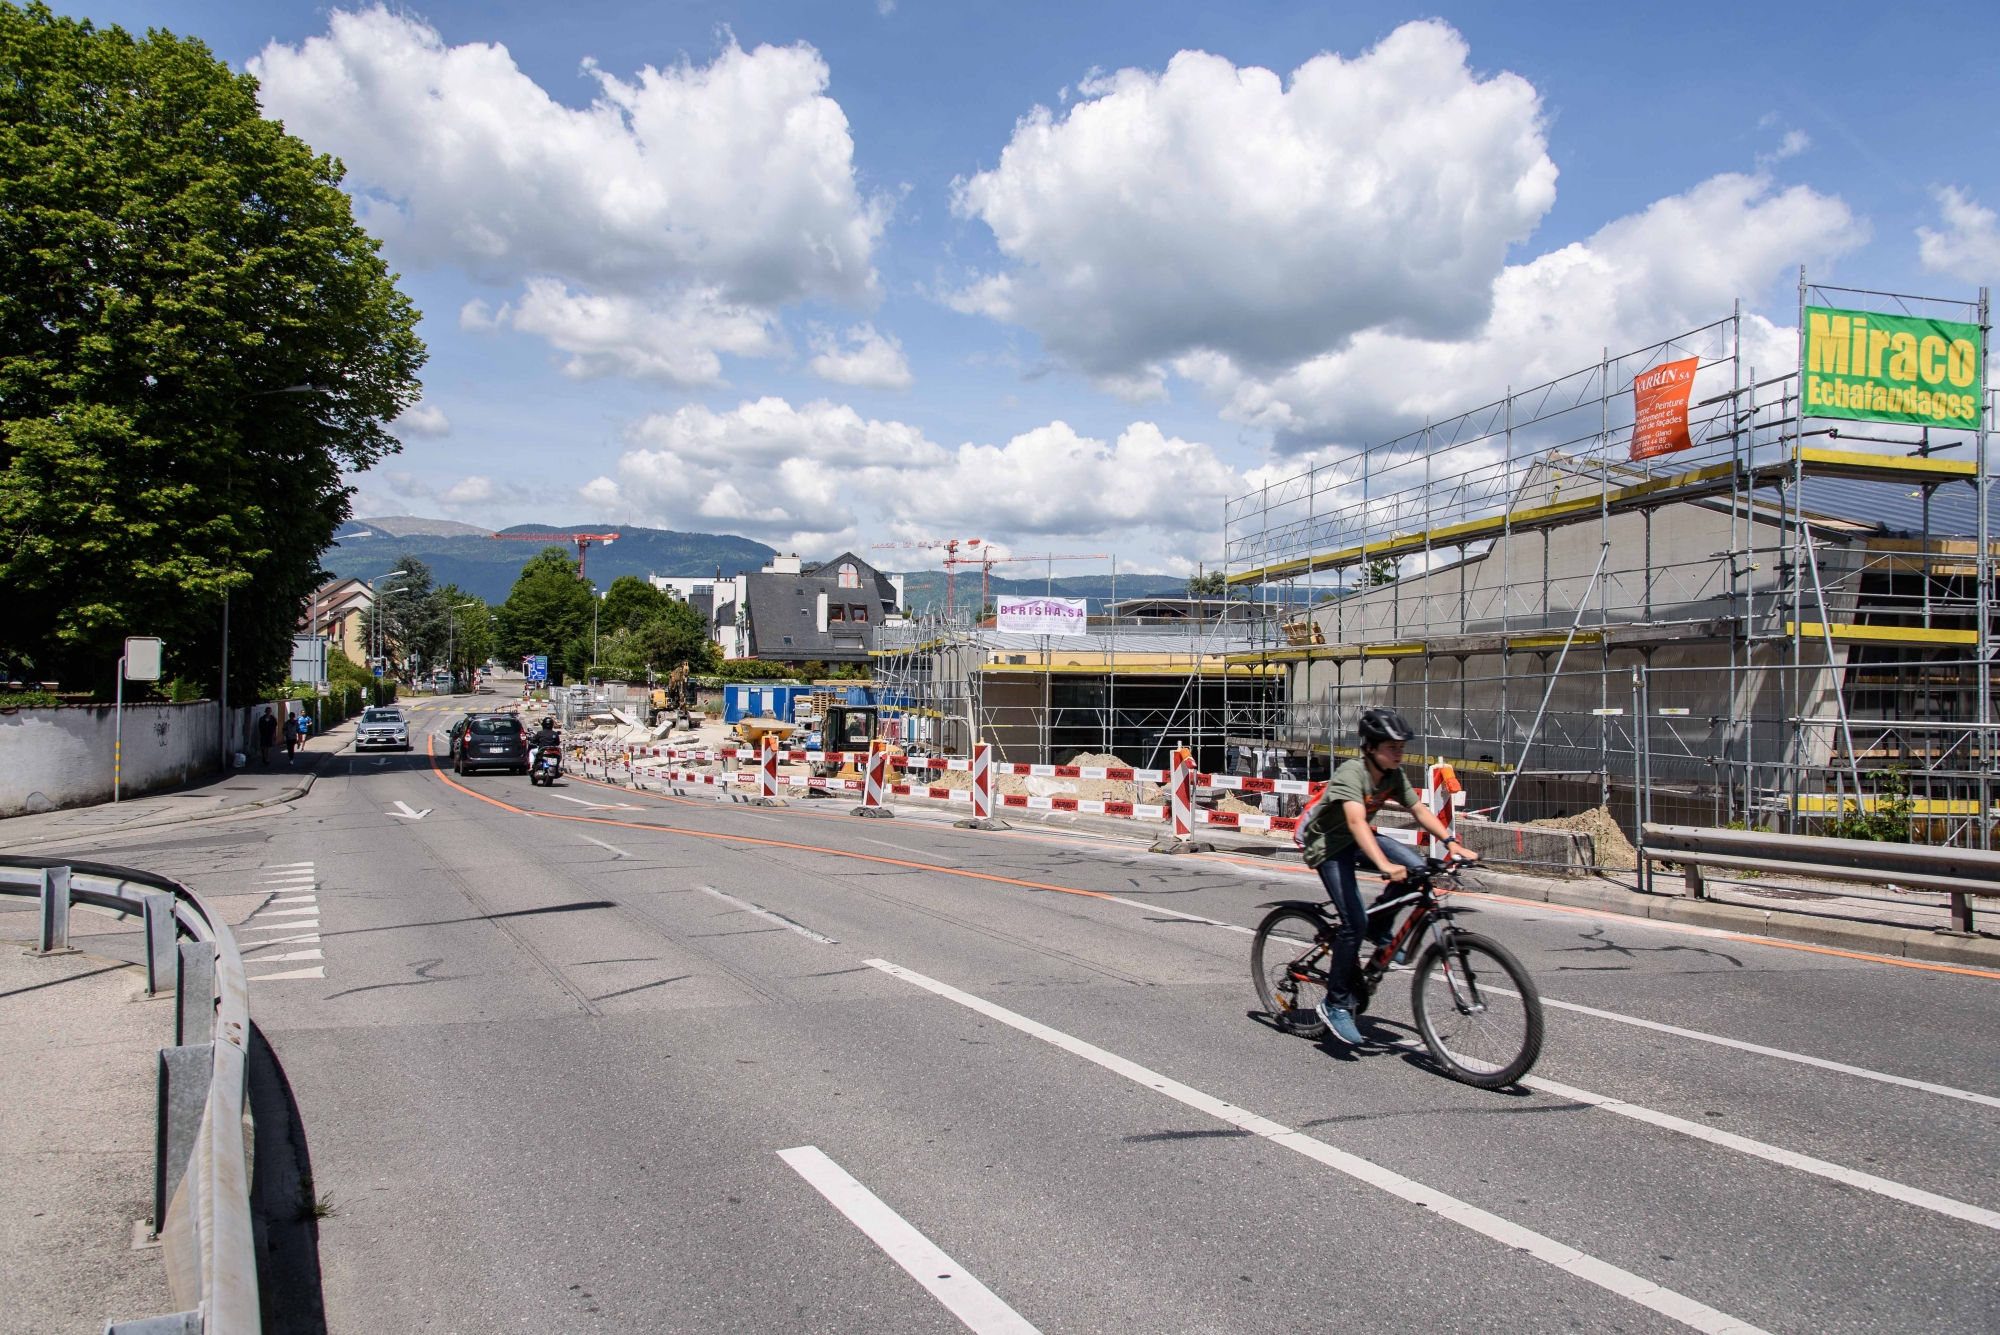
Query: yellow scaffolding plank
1905	635
1336	652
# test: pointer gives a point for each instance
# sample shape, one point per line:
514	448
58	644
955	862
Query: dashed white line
316	971
614	849
1805	1163
963	1296
277	926
1635	1288
294	955
769	916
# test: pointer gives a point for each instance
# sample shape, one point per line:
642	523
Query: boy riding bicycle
1336	835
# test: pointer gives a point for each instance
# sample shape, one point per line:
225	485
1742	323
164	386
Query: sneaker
1341	1021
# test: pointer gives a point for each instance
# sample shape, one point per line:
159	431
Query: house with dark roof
790	612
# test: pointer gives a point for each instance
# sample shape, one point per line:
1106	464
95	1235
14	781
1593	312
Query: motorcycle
546	767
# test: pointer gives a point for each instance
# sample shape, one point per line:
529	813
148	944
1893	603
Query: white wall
56	758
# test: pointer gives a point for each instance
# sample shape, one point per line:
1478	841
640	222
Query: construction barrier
768	787
876	780
982	782
1180	795
1443	794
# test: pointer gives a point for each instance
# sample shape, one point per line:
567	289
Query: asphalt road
550	1043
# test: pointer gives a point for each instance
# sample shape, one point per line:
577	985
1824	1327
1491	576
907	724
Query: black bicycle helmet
1384	725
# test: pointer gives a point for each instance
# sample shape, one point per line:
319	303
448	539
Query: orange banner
1660	408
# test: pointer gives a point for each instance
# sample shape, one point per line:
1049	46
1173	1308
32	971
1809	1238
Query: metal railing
202	1172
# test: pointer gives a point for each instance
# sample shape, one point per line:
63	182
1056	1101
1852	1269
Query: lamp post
375	641
451	637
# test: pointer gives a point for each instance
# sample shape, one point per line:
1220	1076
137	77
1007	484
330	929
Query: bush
1888	823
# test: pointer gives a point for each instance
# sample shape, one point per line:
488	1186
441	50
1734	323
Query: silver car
383	728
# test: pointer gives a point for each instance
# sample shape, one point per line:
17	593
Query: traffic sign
537	666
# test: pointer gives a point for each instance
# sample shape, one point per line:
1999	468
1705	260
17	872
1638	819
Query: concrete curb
1869	938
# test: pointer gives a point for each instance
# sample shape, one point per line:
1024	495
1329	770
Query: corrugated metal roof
1895	509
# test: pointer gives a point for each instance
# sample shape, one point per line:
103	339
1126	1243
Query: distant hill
486	566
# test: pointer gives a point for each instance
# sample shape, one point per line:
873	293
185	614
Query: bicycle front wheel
1479	1012
1288	958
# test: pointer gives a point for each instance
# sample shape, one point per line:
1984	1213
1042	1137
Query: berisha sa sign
1870	367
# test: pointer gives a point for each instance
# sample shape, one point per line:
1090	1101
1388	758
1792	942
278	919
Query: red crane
950	546
986	561
582	541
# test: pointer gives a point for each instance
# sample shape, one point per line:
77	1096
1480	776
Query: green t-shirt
1326	834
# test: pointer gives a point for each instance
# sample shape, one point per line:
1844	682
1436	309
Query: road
549	1045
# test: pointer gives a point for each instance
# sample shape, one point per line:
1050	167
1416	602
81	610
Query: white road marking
596	806
316	971
277	926
295	955
284	866
616	851
963	1296
279	940
289	878
295	899
1881	1186
900	848
1860	1072
1606	1276
405	812
1176	913
288	913
769	916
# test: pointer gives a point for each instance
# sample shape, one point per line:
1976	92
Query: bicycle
1480	1033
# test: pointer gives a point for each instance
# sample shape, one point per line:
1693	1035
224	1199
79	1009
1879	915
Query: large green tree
547	611
196	339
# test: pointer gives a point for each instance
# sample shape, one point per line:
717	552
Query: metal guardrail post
194	993
161	960
54	934
180	1323
183	1097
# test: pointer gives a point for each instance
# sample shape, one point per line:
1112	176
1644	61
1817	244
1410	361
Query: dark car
489	741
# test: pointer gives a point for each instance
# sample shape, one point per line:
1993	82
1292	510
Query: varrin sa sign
1871	367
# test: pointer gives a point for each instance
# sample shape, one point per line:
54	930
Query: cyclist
1336	835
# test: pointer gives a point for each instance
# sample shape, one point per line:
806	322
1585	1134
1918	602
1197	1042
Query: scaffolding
1787	624
1134	688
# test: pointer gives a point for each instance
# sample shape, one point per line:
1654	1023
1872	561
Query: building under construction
1787	624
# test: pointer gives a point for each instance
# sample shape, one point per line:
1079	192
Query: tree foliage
547	610
630	602
171	266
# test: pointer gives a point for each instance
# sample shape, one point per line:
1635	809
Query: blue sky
820	284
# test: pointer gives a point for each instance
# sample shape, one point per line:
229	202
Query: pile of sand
1614	850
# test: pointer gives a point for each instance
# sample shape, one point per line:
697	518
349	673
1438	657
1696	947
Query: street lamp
375	614
451	636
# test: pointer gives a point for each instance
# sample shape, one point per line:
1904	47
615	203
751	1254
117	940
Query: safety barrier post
982	791
767	777
875	783
54	934
1180	804
1443	794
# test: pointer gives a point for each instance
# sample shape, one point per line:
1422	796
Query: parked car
489	741
382	727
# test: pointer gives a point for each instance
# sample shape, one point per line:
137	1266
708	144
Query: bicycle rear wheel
1288	960
1479	1012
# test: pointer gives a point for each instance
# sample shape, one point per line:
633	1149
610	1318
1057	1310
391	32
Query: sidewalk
219	794
77	1081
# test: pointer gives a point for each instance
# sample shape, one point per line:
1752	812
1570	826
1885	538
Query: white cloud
1969	247
861	357
423	420
1794	143
1676	265
821	476
1211	208
728	186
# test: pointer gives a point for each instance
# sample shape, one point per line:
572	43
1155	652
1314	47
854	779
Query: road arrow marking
406	814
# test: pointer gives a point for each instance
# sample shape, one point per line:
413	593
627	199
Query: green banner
1872	367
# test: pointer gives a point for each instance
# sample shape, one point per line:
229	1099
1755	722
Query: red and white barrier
1443	794
982	782
1180	795
767	787
877	779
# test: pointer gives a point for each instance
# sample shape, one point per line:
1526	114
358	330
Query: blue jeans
1337	875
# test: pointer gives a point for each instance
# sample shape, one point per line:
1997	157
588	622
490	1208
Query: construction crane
582	541
986	561
951	561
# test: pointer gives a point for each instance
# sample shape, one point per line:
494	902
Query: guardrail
1960	872
202	1153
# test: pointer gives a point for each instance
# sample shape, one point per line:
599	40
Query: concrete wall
56	758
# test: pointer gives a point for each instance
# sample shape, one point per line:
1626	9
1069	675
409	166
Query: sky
1066	277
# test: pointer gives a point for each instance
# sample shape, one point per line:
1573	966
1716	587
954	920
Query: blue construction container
749	699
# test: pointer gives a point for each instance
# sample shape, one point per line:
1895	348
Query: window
850	578
860	611
835	612
495	727
788	639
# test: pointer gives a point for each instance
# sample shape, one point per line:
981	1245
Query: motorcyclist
545	737
1336	835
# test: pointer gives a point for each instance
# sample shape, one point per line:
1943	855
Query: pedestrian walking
292	738
267	734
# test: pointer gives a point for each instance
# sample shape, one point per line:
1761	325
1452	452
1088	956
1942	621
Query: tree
547	611
1381	570
630	602
408	621
469	629
1207	585
172	266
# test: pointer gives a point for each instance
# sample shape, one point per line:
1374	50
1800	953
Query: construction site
1785	623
